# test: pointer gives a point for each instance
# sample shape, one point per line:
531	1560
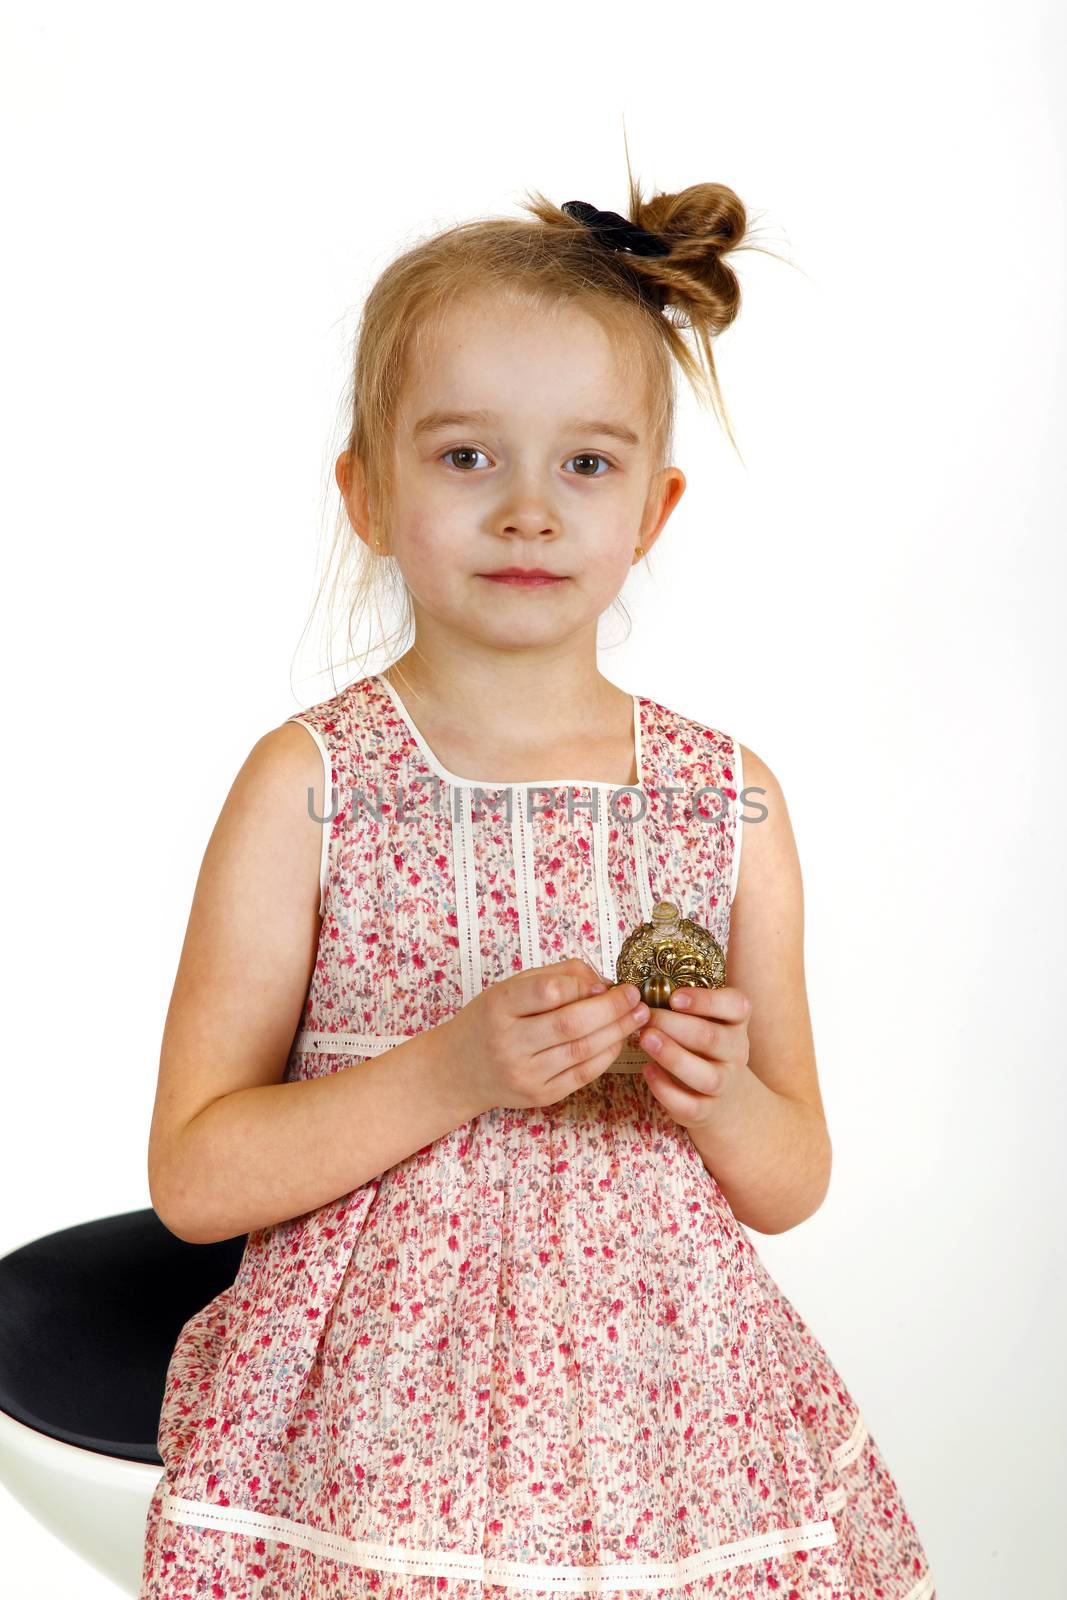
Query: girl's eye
587	456
472	450
463	450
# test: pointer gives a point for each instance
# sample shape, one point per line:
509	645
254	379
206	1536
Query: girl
498	1323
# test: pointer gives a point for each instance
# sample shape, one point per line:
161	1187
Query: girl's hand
702	1053
533	1038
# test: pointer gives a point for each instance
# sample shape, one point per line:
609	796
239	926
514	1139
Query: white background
195	200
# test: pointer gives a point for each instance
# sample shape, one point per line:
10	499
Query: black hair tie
615	232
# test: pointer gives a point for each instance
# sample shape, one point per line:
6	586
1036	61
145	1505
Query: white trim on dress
596	1579
739	779
328	805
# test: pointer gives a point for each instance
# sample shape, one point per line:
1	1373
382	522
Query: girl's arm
232	1146
772	1156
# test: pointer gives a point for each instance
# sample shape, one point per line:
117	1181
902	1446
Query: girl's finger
591	1026
725	1005
689	1070
715	1041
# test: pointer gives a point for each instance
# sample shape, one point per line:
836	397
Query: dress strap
329	806
739	829
630	1059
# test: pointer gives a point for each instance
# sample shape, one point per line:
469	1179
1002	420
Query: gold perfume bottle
670	952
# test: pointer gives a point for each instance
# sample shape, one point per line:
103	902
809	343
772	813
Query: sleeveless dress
540	1356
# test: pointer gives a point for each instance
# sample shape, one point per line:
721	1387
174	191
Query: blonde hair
643	303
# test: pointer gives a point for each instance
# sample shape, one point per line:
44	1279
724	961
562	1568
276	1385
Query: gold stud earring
639	549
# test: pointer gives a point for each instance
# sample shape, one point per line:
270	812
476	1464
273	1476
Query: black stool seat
89	1318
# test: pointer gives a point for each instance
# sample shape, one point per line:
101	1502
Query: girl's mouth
522	580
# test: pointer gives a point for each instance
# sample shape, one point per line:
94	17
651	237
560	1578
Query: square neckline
453	778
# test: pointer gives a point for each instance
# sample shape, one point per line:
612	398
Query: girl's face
518	445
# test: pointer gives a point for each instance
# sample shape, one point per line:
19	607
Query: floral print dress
540	1356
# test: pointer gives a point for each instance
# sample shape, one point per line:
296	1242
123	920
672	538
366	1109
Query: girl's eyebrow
434	420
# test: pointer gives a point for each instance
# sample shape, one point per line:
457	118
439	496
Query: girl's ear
348	472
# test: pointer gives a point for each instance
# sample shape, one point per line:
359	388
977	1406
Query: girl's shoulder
686	746
336	710
707	748
344	724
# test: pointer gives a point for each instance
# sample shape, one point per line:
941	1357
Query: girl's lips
521	583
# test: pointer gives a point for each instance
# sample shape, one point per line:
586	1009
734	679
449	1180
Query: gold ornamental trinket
670	952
